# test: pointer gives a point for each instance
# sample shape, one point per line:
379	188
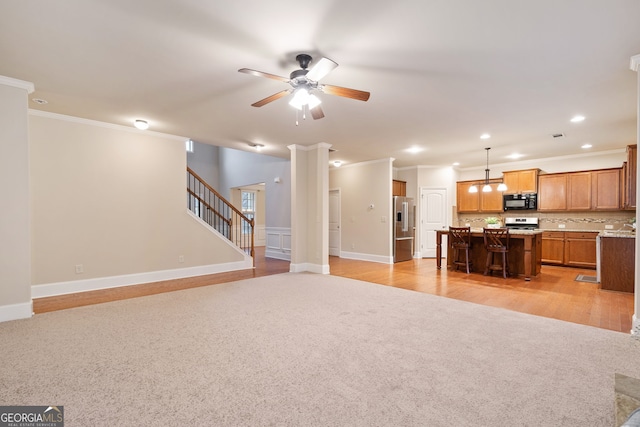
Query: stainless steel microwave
520	202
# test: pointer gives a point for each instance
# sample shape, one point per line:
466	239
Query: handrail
201	200
209	205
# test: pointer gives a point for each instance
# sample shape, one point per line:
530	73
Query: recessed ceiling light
40	101
485	136
515	156
255	145
337	163
577	119
585	146
141	124
456	163
415	149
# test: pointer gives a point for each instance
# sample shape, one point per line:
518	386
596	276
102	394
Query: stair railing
215	210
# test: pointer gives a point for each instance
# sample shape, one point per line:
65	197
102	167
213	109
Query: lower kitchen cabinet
617	263
569	248
580	249
553	247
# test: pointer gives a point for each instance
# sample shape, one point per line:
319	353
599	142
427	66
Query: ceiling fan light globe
314	101
300	98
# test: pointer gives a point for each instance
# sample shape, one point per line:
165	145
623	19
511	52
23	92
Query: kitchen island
617	256
525	252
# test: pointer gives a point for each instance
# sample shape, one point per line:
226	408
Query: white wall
204	162
15	228
366	232
113	200
241	168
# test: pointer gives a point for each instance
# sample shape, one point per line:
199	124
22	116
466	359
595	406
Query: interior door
334	223
433	216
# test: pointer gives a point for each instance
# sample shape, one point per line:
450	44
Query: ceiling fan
303	82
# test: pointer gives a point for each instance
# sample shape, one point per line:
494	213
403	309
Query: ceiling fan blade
262	74
360	95
321	69
271	98
317	113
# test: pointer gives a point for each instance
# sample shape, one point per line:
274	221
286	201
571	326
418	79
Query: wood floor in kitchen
554	293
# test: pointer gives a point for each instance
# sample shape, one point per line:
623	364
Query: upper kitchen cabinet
605	189
552	192
399	188
580	191
522	181
480	201
629	178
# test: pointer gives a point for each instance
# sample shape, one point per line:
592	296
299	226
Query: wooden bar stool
496	241
460	240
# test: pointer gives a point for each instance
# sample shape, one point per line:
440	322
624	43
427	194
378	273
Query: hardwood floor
554	293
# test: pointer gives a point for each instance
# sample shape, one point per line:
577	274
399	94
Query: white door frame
335	230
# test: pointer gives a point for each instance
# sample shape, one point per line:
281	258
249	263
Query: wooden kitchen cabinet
478	202
605	187
521	181
552	192
399	188
553	247
629	178
594	190
617	263
579	191
580	249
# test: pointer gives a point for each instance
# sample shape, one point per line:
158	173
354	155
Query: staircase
215	210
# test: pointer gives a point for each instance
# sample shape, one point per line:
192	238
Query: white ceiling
440	72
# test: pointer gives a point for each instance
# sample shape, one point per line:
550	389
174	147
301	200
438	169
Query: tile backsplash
552	221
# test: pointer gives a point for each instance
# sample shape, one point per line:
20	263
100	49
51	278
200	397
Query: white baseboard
16	311
308	267
367	257
286	256
62	288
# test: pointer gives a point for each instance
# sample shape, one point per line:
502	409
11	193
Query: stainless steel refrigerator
403	230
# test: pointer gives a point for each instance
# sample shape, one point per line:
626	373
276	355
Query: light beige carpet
311	350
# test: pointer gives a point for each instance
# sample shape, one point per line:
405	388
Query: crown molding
21	84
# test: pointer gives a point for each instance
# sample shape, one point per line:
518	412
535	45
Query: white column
310	208
15	216
635	66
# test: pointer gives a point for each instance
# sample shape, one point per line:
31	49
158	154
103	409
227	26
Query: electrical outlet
608	227
79	269
466	224
383	219
560	225
353	246
181	258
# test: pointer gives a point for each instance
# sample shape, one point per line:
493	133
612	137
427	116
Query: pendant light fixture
487	187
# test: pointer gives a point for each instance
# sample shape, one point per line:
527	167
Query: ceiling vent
558	135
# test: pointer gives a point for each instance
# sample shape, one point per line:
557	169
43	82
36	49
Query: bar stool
496	241
460	240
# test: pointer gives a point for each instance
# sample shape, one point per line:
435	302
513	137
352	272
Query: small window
248	208
189	144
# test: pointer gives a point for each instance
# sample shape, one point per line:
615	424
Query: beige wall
112	200
15	256
366	232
